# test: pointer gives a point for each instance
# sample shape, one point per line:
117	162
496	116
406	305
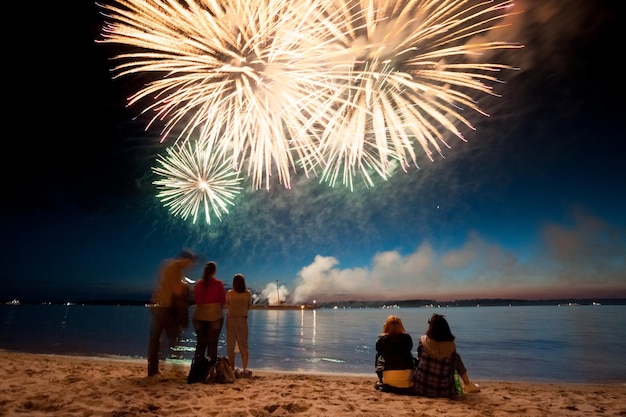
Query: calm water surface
530	343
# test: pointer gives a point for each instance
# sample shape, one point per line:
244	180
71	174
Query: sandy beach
49	385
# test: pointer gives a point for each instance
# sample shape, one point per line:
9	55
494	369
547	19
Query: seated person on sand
394	360
437	361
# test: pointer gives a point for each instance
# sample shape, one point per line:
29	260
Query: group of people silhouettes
432	372
169	309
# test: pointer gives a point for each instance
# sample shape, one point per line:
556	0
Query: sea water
582	343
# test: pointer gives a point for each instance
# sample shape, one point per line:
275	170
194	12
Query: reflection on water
547	343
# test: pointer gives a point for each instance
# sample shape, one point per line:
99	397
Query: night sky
532	206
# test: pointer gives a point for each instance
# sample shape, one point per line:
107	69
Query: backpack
198	370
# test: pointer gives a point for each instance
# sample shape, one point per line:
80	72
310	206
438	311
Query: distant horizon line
473	302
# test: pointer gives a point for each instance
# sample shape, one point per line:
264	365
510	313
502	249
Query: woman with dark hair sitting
437	361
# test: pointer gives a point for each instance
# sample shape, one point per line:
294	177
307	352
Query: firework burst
413	73
334	87
195	179
244	76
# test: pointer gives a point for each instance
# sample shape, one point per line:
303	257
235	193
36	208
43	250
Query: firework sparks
244	76
193	177
333	86
412	77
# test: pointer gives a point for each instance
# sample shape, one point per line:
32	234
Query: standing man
171	286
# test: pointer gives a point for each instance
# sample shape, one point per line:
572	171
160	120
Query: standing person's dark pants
207	337
162	320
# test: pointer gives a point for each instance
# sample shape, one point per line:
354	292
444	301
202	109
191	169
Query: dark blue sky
531	206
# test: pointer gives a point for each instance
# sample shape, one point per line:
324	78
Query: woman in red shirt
208	317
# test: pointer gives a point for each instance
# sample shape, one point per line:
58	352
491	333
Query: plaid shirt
434	377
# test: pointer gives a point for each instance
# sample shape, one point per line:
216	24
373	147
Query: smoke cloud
583	259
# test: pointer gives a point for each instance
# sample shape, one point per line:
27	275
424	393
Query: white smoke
274	294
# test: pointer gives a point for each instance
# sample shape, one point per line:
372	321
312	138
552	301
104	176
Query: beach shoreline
51	385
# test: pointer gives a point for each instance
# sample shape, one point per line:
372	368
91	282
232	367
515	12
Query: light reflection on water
543	343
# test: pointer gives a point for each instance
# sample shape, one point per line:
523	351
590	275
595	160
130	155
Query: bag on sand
198	370
221	372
